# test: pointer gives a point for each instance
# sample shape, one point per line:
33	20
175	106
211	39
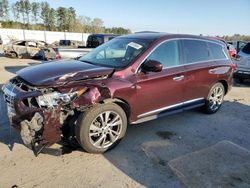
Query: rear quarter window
217	51
195	51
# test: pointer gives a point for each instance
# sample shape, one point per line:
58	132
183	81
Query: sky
207	17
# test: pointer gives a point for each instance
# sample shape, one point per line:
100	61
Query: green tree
35	8
71	19
86	23
22	9
27	10
15	7
52	20
45	12
62	22
60	19
117	30
4	10
97	25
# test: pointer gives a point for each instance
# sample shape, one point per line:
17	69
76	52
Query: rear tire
101	127
13	55
215	99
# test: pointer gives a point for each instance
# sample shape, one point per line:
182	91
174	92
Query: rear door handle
178	78
212	71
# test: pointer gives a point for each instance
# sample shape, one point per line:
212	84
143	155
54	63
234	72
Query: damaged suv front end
40	111
84	102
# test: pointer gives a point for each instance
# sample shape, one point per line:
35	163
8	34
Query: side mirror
152	66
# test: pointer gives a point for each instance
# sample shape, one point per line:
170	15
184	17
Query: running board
170	111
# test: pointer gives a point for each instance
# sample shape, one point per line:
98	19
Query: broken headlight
54	98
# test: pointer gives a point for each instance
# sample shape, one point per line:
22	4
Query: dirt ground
140	160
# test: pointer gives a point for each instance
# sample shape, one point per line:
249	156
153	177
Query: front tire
101	127
215	99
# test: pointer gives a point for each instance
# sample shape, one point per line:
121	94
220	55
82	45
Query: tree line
237	37
40	16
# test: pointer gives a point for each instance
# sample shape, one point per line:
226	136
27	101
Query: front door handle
178	78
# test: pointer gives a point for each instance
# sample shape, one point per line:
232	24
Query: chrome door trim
168	107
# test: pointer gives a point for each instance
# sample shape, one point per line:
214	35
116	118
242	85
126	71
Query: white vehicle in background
69	49
242	71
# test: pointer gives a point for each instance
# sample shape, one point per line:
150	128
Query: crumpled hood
60	72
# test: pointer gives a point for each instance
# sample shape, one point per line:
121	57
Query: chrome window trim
178	39
168	107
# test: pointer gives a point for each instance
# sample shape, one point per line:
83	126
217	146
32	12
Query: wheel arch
14	52
225	84
122	103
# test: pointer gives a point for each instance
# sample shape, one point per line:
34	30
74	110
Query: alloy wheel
216	98
105	129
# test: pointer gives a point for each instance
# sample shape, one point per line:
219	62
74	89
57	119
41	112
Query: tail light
236	57
58	56
233	66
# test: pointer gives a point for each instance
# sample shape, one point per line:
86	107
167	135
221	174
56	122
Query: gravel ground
140	160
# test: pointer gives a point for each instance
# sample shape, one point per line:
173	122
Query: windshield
116	53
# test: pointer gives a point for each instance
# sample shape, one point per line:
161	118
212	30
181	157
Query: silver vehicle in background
30	49
1	41
238	45
242	71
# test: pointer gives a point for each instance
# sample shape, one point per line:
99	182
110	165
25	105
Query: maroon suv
128	80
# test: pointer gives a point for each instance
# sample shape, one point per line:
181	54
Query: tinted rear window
217	51
246	48
195	51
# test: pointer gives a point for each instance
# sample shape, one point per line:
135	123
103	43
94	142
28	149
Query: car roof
29	40
145	35
161	36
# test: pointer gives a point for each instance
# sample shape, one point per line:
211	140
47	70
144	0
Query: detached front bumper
39	127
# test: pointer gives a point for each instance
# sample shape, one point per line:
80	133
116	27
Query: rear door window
195	51
21	43
167	54
217	51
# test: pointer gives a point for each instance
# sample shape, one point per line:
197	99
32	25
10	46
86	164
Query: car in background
238	45
30	49
72	43
68	43
128	80
231	49
95	40
242	71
